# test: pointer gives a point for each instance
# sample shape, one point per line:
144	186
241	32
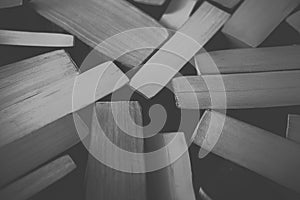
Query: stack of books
43	98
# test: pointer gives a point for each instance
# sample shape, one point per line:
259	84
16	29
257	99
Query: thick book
238	91
168	170
249	60
263	152
178	50
39	39
255	20
173	178
10	3
38	180
112	21
110	174
38	97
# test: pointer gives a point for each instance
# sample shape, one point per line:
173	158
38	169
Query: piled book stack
112	60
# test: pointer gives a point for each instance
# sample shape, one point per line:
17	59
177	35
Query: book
151	2
255	20
177	13
263	152
130	35
178	50
22	38
238	91
31	184
38	98
111	174
293	128
10	3
228	3
249	60
294	21
173	178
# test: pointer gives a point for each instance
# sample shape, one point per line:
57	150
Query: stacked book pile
112	60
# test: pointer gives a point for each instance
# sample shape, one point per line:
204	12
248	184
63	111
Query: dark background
221	179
